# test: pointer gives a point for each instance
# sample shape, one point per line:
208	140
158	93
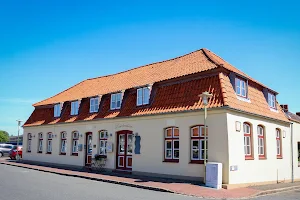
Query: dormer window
241	87
74	107
143	95
94	104
57	110
115	101
271	100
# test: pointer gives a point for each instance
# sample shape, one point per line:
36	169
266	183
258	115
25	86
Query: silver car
4	149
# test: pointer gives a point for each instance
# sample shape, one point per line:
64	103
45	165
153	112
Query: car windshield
14	147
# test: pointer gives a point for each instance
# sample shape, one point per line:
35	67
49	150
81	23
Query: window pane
195	144
169	132
248	150
176	144
176	132
195	132
176	153
146	95
139	96
169	144
195	154
168	153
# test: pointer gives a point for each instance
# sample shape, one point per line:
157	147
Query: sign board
109	147
80	147
214	175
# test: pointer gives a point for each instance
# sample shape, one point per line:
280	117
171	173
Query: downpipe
292	150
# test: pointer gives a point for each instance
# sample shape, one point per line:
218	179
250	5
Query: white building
153	117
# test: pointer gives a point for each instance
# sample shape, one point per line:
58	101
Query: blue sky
48	46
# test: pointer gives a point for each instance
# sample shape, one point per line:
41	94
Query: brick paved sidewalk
152	184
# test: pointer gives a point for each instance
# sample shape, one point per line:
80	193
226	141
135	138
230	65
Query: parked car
4	149
13	152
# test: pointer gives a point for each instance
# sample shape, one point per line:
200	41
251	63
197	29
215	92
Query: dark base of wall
135	174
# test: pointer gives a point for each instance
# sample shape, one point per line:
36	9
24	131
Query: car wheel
1	154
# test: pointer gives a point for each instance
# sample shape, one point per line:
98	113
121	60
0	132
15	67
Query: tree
4	136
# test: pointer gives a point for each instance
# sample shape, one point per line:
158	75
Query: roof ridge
58	93
158	62
206	51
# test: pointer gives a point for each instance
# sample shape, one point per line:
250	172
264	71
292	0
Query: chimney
285	108
298	113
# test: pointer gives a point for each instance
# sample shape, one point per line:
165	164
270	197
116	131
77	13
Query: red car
13	152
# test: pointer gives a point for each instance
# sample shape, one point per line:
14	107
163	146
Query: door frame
125	156
87	134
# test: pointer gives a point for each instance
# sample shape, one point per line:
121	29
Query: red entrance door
124	150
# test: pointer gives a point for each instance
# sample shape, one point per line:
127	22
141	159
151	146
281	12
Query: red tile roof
170	94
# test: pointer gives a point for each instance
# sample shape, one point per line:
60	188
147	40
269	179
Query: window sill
171	161
245	99
74	154
262	158
249	158
62	154
279	157
274	110
200	162
49	153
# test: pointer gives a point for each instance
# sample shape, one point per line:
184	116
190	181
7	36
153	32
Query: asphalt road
25	184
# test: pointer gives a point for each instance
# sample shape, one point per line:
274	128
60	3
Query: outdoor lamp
205	97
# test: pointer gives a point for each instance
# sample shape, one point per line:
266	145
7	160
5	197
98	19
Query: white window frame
75	140
143	98
171	139
63	147
115	99
199	138
40	149
103	142
261	140
240	87
74	107
57	110
272	100
278	142
247	138
94	104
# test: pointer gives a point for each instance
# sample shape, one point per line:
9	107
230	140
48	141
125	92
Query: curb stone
262	193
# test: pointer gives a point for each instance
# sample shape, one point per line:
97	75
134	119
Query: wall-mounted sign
233	168
127	126
238	126
109	147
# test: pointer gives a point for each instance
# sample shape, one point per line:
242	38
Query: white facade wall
270	169
151	130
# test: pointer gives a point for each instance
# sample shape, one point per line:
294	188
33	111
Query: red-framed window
171	144
278	143
103	135
49	143
241	87
198	140
261	141
247	141
75	141
29	138
63	143
40	143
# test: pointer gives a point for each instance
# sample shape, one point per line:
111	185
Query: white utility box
214	175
